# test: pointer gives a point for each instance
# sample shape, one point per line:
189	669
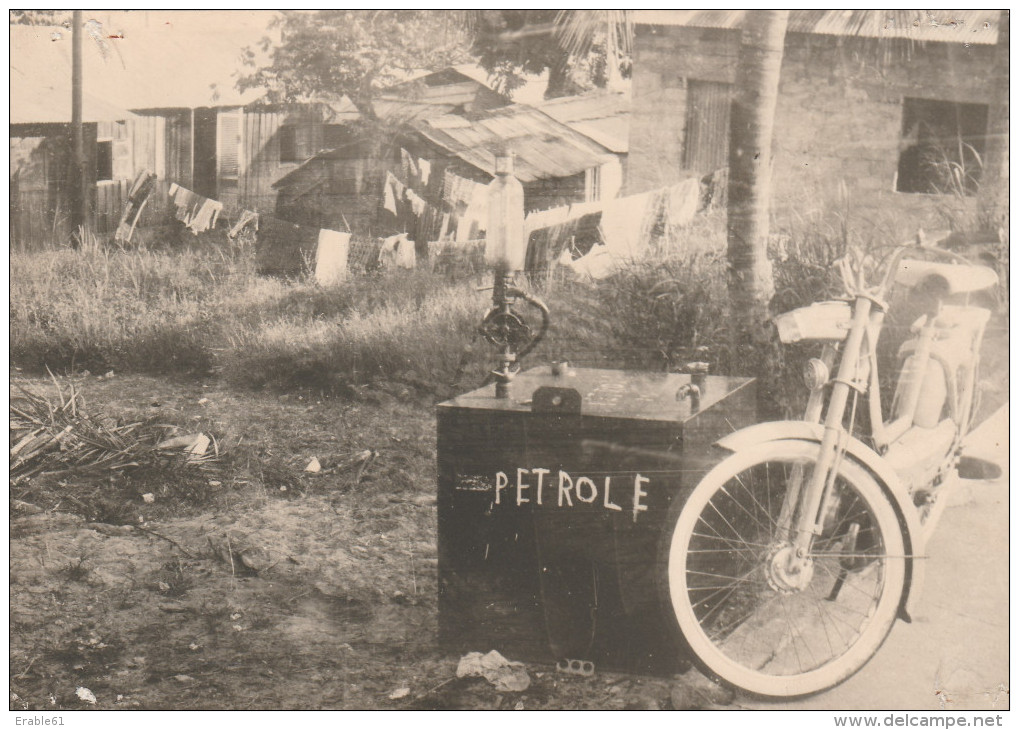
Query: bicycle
791	559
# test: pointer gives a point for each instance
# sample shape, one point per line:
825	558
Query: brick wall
838	121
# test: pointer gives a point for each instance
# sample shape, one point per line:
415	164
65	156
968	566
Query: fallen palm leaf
55	436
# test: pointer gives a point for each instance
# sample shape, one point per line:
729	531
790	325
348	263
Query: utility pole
80	177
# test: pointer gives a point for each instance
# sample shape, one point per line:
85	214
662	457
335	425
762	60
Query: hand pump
505	252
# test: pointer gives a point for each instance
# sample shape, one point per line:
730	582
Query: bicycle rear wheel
748	619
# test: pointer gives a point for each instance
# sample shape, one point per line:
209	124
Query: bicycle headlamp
815	374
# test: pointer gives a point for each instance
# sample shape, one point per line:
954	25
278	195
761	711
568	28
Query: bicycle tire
743	624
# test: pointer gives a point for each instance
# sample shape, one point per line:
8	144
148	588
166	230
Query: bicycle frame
804	506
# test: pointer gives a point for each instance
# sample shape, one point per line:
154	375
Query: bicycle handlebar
854	280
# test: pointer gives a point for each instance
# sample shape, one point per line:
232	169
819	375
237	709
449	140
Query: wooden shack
41	162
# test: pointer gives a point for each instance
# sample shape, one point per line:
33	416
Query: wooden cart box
553	505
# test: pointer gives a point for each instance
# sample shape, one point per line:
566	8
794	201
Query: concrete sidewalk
955	655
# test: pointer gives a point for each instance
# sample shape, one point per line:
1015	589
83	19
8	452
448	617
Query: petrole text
567	490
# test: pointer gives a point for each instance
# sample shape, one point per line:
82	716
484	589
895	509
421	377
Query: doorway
205	152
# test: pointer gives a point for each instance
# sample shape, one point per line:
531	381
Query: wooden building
41	162
160	97
430	180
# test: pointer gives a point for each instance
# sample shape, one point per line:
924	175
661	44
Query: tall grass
188	311
96	308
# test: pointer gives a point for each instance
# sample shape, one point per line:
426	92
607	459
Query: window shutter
122	163
228	144
706	147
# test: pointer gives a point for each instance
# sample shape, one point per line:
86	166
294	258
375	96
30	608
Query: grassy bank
204	310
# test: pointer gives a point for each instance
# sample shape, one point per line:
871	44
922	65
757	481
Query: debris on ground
504	675
85	695
314	466
25	508
241	553
56	436
400	693
694	691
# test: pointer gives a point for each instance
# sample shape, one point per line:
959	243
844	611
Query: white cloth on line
682	201
622	223
417	203
206	216
331	256
475	219
397	251
389	193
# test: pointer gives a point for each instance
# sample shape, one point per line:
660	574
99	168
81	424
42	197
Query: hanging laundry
474	220
555	216
546	218
389	200
576	236
410	166
137	198
406	255
246	217
397	251
331	256
387	254
417	204
186	203
426	170
626	223
597	264
398	187
393	191
682	202
205	216
195	211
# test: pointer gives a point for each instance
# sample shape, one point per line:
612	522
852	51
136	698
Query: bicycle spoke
767	513
765	528
731	585
718	536
734	530
855	588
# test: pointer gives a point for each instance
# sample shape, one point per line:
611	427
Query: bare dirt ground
270	588
261	586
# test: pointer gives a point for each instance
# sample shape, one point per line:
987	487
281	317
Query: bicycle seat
957	278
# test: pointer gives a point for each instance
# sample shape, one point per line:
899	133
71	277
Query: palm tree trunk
751	285
994	178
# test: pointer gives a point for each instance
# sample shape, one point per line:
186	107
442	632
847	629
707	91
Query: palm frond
577	30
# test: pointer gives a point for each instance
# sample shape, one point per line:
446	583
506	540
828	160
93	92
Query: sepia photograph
484	360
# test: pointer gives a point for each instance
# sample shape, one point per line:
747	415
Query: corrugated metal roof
601	115
136	60
435	94
952	26
544	148
448	86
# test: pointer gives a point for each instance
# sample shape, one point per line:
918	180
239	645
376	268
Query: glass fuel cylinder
505	245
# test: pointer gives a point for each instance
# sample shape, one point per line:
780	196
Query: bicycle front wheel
755	616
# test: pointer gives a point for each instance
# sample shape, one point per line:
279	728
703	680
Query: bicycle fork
792	566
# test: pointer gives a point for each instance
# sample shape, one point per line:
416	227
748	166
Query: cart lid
607	393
